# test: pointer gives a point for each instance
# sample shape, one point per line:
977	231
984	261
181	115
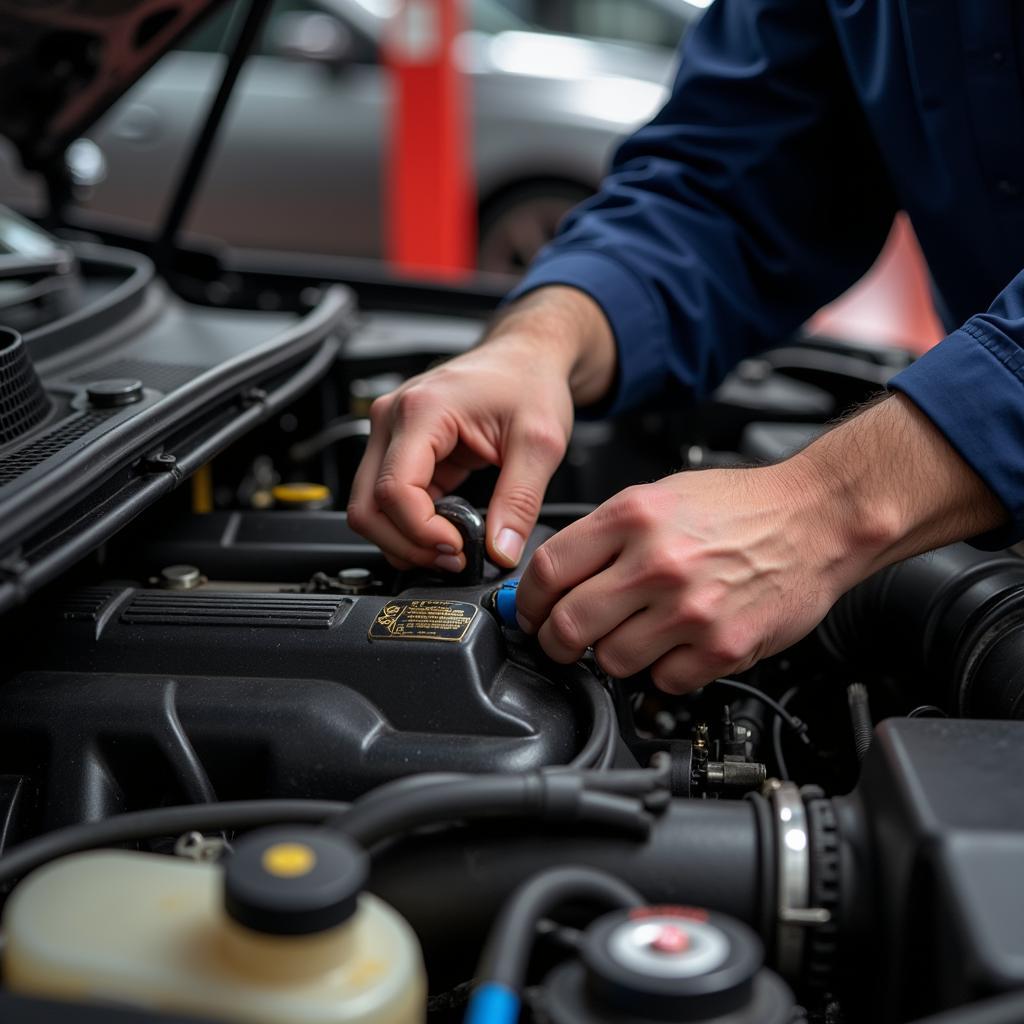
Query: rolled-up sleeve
755	196
971	386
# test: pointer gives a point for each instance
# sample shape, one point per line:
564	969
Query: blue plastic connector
505	604
492	1003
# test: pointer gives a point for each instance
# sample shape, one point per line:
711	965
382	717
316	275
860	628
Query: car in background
648	22
301	164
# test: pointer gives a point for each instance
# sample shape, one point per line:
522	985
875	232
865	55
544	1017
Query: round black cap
294	881
109	394
671	963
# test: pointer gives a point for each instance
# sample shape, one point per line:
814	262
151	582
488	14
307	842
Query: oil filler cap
292	881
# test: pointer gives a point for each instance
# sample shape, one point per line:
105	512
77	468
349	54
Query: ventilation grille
23	402
160	376
86	604
301	611
52	442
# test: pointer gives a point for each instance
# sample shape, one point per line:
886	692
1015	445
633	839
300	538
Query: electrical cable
340	430
507	952
162	821
798	725
780	759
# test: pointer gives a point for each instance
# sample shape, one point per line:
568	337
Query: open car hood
64	62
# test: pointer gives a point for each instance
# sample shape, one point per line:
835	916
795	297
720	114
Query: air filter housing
23	402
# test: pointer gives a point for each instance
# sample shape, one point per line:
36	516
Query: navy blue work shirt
767	185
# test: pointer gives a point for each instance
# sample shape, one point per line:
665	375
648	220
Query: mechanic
764	188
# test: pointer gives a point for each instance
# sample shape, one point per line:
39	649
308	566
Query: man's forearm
566	326
886	485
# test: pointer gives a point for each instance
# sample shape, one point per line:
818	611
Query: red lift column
431	202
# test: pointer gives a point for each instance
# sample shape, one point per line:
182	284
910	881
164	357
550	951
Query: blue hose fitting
503	601
492	1003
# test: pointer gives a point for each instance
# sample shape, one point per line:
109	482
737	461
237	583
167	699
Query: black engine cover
280	694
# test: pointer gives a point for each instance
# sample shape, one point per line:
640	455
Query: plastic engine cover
279	694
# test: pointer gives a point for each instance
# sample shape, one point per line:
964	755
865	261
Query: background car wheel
515	225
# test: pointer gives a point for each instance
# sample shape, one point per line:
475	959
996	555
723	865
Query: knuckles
615	663
565	630
386	491
522	501
358	517
543	571
544	441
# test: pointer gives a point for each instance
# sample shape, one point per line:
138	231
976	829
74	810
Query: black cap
115	392
294	881
654	965
709	973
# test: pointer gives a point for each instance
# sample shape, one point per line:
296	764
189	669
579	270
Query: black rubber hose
599	749
507	953
1005	1009
860	718
702	852
949	624
551	797
163	821
182	755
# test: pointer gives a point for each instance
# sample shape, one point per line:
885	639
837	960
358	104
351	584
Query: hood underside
64	62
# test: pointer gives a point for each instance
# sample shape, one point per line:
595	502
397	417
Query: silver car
301	162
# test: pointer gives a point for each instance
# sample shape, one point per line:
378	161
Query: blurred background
376	130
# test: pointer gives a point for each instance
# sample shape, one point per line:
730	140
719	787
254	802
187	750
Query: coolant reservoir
279	935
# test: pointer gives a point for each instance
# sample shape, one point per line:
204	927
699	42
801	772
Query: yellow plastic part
300	494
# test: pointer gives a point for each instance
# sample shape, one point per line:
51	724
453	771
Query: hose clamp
793	858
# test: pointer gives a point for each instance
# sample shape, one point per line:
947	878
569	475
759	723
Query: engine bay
219	666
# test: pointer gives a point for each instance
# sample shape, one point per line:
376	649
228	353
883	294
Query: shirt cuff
972	388
635	316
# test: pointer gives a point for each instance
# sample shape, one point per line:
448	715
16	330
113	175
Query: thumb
530	460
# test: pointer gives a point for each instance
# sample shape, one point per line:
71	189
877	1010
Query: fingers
586	614
580	551
531	457
638	642
401	490
687	668
391	501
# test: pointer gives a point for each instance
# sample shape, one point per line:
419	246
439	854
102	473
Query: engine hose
701	852
949	624
599	749
552	797
506	955
860	718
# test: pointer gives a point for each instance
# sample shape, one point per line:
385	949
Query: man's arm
704	573
755	196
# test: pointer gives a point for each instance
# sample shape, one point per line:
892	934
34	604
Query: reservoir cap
294	881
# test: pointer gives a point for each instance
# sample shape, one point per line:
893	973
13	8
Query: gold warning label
424	620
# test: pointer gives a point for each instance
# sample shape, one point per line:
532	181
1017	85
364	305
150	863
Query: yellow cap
300	493
289	860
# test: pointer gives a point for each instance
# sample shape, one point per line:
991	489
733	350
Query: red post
431	203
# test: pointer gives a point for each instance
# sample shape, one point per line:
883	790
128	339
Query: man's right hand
507	403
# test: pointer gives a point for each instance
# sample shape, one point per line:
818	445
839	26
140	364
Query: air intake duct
950	624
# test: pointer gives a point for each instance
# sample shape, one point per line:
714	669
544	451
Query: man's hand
704	573
507	403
